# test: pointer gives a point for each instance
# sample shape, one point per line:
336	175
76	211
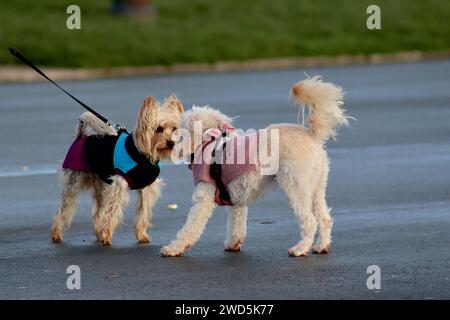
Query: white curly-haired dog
110	163
302	173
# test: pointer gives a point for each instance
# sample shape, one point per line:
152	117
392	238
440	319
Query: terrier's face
154	132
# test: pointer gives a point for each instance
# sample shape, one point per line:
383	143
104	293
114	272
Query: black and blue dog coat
112	155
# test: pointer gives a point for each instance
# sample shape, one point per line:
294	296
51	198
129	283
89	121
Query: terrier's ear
148	114
145	124
173	102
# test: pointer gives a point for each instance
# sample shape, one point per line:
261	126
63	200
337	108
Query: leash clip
117	126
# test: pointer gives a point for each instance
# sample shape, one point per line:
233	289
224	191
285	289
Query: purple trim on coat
76	158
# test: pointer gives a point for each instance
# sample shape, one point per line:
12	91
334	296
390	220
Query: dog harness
221	159
112	155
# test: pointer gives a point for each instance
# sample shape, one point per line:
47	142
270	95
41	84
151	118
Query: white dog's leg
201	210
236	228
147	198
300	200
71	184
322	213
111	213
307	223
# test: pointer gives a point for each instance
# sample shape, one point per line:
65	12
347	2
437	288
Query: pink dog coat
221	159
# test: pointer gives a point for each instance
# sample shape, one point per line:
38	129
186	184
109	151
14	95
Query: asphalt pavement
389	188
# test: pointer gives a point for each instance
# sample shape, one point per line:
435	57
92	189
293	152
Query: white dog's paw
300	250
321	248
171	251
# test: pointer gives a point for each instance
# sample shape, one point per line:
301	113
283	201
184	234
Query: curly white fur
302	175
325	102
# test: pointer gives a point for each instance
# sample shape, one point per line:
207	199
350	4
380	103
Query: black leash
19	56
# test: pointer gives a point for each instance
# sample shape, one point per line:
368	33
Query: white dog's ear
173	102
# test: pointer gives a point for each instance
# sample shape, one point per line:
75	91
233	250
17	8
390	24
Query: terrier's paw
56	237
143	238
99	237
106	243
106	239
171	251
321	249
298	251
233	247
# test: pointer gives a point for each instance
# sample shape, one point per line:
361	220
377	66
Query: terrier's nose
170	144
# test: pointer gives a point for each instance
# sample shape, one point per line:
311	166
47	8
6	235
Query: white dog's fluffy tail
89	125
324	101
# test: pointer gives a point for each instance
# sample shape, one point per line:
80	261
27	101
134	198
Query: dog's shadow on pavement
204	258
